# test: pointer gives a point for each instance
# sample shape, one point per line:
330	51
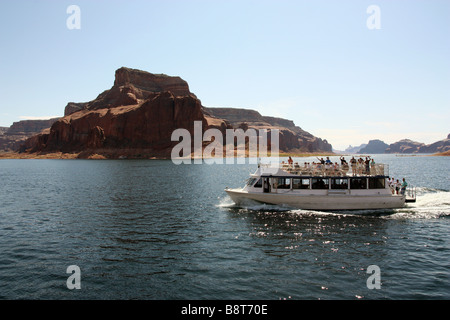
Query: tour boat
322	187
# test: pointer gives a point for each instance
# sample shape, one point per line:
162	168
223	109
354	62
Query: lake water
148	229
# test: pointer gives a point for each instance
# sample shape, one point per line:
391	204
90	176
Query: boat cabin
288	177
317	183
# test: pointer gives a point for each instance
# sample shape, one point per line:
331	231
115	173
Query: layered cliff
409	146
140	112
292	138
440	146
404	146
11	138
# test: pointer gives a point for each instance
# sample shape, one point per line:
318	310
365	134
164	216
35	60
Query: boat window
284	183
251	181
377	183
320	183
358	183
339	183
300	183
258	184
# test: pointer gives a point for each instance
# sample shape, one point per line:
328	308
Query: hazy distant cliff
374	146
409	146
141	110
403	146
292	138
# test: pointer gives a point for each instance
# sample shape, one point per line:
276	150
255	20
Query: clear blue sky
314	62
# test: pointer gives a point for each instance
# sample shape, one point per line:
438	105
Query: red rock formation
132	86
11	138
144	125
140	112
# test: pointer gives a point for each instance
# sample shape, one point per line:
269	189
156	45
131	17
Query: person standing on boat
392	185
360	165
367	164
353	164
403	186
266	185
290	161
344	166
398	185
373	170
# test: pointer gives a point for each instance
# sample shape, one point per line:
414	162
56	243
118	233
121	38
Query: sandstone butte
136	118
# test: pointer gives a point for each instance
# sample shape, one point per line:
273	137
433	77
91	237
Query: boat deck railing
411	194
332	170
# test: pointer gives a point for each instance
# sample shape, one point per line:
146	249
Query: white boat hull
320	201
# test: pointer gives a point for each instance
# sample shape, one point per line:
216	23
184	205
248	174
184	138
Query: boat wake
430	204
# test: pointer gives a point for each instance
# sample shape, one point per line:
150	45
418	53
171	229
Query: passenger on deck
327	167
336	168
307	167
360	165
353	164
373	169
398	185
392	185
403	186
367	165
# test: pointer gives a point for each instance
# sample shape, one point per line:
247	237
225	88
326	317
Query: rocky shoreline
150	155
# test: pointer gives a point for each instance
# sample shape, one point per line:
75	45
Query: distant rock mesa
374	147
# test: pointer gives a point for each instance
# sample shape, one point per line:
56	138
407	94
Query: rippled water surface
149	229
